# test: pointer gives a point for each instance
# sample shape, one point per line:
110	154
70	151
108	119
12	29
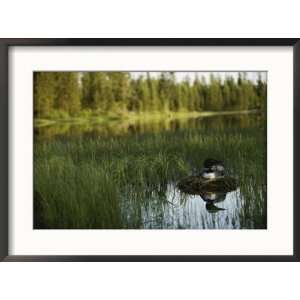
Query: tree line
71	93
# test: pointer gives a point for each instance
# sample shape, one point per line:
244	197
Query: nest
197	185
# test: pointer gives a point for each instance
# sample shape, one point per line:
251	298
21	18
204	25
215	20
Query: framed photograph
149	149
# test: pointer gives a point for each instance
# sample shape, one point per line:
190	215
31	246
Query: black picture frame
5	44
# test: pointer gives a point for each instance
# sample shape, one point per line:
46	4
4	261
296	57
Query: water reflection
124	127
183	211
211	198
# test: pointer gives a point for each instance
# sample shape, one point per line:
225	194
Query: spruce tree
67	96
44	93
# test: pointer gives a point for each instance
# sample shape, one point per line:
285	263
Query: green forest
71	94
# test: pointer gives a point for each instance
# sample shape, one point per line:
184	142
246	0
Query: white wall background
156	18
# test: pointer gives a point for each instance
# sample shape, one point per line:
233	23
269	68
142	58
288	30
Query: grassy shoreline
135	117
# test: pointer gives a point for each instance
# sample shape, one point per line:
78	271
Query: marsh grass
119	182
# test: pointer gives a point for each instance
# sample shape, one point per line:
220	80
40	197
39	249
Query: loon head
214	165
210	162
212	169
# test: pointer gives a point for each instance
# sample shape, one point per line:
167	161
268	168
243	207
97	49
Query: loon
211	178
212	169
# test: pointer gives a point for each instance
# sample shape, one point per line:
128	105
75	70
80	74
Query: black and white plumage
212	169
211	163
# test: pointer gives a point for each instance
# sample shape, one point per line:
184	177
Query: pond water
123	175
193	212
126	127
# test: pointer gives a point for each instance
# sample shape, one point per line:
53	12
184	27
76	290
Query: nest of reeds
197	184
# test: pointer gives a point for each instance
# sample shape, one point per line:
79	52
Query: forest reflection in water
122	127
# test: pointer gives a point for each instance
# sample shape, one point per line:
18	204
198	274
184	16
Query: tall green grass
112	181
